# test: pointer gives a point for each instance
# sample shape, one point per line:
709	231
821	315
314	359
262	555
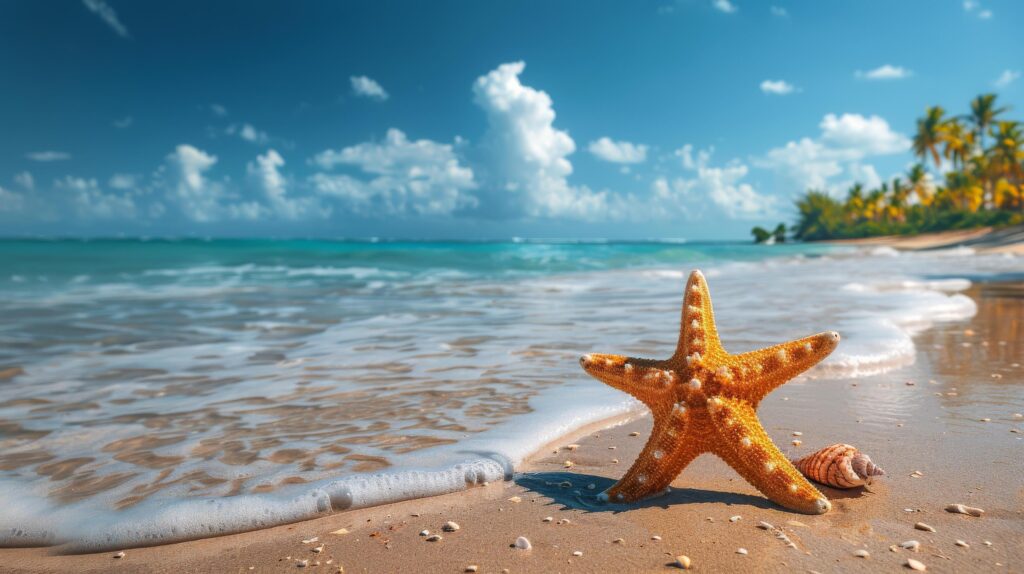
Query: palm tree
983	114
929	134
897	205
958	142
1007	153
874	202
854	206
920	184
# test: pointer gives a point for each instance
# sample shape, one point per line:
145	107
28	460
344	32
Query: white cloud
529	162
218	110
970	5
865	135
844	142
197	197
420	177
265	172
885	72
779	11
778	87
618	151
25	180
724	6
985	15
125	122
48	155
123	181
722	185
1006	78
10	201
248	133
92	203
366	87
108	15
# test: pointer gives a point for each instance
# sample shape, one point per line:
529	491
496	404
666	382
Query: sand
927	417
985	240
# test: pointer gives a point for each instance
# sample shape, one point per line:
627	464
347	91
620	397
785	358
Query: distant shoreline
984	239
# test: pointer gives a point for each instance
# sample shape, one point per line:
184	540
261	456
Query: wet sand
928	417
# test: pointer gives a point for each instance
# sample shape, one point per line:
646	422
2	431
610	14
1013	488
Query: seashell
839	466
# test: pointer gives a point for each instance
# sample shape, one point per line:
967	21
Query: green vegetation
983	186
762	235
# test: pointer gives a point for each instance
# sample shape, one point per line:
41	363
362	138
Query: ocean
163	390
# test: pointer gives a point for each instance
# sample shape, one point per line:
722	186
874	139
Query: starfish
704	399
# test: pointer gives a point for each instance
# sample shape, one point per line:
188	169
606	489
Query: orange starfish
704	400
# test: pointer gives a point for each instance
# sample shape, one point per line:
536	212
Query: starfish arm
745	446
697	333
764	370
668	450
642	378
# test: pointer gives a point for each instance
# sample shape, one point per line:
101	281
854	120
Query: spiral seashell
839	466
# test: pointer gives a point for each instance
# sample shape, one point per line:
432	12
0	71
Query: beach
944	423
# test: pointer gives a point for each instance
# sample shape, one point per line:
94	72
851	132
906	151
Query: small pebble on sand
577	553
912	545
735	518
434	538
565	521
302	563
548	519
656	538
798	433
119	555
450	526
311	540
343	531
615	461
573	446
862	553
515	499
916	474
986	543
962	544
764	525
318	549
985	420
424	533
618	541
1018	416
742	551
915	565
472	568
522	543
612	447
923	526
634	433
567	464
964	509
797	442
683	562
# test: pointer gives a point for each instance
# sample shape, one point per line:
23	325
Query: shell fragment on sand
923	526
522	543
450	526
964	509
912	545
683	562
916	565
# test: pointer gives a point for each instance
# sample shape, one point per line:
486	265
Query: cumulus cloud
408	177
123	181
845	141
528	156
248	133
366	87
218	110
90	202
1006	78
618	151
265	173
25	180
48	155
10	202
723	186
108	15
724	6
884	72
778	87
972	6
199	198
779	12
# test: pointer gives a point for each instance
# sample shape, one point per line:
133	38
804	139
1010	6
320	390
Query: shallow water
161	390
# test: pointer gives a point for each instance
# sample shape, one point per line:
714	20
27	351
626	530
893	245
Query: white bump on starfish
641	478
608	362
693	360
694	288
792	487
724	374
745	441
769	466
693	309
808	347
695	324
694	383
729	422
587	358
697	342
658	454
781	355
714	403
628	368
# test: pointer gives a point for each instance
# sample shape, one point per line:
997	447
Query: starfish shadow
573	491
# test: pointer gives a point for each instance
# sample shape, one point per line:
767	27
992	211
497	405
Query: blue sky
688	118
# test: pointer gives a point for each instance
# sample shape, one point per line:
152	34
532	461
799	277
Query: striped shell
839	466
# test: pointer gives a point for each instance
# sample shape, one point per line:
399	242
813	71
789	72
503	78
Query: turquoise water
166	390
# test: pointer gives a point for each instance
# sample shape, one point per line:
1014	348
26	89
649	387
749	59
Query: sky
692	119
